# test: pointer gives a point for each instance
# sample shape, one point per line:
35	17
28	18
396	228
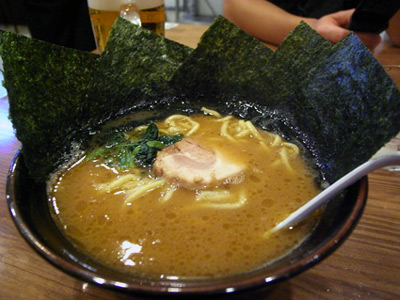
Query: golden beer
102	16
104	12
152	18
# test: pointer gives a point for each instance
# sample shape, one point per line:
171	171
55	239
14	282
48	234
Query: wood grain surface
365	267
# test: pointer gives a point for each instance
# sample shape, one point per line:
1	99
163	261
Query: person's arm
261	19
393	31
271	24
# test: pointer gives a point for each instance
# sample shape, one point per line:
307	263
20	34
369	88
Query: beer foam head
110	5
115	5
146	4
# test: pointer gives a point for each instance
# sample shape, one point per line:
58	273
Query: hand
371	40
334	28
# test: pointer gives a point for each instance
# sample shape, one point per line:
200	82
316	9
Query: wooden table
366	266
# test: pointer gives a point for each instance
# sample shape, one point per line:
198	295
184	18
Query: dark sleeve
61	22
374	15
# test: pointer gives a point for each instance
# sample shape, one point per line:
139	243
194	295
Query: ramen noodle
142	221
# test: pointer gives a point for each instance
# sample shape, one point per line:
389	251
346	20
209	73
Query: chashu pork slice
192	166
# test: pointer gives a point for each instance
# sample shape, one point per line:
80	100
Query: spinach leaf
151	132
126	159
145	155
125	152
169	140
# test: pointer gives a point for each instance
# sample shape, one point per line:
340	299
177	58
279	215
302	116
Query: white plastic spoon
334	189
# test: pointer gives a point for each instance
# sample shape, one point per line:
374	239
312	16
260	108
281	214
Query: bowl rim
218	286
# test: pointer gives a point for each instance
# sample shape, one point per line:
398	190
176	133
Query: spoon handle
334	189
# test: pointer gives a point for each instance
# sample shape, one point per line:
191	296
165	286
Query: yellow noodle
119	182
293	147
227	118
143	190
245	128
168	194
129	186
284	156
256	134
211	112
224	131
242	200
214	196
264	145
242	123
253	130
174	117
243	133
242	129
277	141
239	127
192	127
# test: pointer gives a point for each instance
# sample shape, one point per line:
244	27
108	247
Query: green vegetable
168	140
145	155
129	152
125	159
155	144
151	132
115	139
98	152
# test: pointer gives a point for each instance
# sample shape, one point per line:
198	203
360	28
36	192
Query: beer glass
104	12
130	12
102	15
152	15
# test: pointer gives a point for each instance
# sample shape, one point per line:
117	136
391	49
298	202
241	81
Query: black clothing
374	15
61	22
370	15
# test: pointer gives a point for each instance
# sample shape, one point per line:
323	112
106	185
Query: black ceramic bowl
28	205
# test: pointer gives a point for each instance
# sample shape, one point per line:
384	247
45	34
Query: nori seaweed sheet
226	58
301	50
48	90
59	96
136	63
347	110
337	100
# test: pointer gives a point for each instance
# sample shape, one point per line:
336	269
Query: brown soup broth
180	235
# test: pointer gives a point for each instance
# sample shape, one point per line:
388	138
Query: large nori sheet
348	109
48	88
136	59
226	58
336	100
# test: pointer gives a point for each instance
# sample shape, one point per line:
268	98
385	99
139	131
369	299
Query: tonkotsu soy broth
136	222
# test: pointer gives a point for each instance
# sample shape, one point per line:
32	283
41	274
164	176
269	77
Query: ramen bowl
28	204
